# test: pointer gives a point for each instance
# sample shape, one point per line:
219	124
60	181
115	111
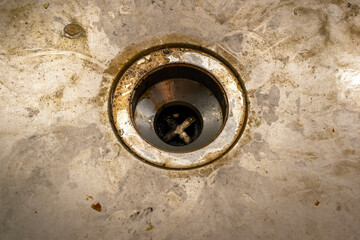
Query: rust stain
96	207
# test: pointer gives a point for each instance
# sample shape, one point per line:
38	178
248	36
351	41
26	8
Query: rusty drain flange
178	107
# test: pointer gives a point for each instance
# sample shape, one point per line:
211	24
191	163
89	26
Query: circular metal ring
125	97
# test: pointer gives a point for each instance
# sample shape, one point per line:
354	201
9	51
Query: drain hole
178	124
178	107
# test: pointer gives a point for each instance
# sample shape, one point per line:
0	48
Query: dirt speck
150	227
96	207
338	207
317	203
89	197
46	5
32	112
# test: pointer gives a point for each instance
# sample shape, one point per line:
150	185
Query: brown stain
299	122
282	80
150	226
96	207
54	99
89	197
317	203
74	80
100	99
59	93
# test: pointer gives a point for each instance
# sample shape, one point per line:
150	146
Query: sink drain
178	107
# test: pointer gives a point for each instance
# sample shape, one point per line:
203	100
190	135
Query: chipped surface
294	174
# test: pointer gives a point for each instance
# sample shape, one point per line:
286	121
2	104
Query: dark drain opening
178	124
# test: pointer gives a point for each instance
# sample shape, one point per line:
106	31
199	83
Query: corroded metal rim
140	65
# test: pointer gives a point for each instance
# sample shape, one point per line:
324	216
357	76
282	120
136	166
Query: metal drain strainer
178	107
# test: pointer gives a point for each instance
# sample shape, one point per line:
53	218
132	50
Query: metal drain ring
121	107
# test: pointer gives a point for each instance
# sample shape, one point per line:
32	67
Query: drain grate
178	107
178	124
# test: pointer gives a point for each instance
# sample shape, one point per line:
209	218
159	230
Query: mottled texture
294	174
